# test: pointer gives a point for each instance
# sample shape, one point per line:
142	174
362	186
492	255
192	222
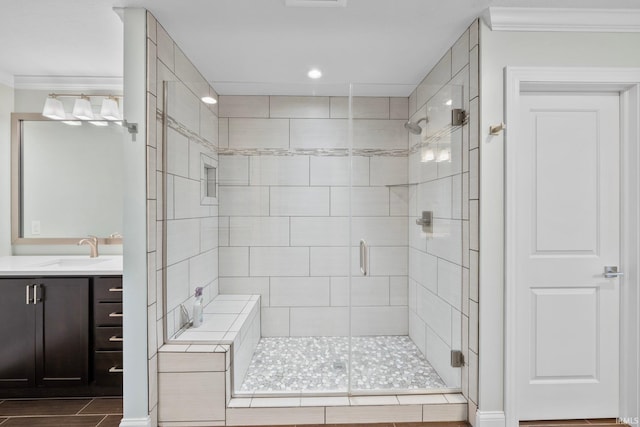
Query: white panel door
568	230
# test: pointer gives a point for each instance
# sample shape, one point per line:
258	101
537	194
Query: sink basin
72	263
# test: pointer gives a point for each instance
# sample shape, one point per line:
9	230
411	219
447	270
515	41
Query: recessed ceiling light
314	73
315	3
209	100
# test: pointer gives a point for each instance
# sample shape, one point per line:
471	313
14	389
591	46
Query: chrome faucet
92	241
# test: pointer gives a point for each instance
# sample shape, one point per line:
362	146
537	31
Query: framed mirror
66	180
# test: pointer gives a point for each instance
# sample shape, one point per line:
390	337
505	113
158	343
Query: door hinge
458	117
457	359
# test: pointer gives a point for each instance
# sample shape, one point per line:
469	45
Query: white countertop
61	265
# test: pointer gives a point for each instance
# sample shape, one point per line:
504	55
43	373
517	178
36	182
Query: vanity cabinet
60	336
44	325
107	338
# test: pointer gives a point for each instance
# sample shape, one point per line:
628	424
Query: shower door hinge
458	117
457	359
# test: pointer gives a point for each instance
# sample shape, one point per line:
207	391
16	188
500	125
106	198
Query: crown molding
561	19
68	83
6	79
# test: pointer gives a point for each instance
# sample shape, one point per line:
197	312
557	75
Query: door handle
364	257
115	314
35	294
115	338
611	272
28	294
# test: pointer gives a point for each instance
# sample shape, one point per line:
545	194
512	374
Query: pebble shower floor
320	364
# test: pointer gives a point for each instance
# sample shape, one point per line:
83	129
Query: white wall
136	388
498	50
6	107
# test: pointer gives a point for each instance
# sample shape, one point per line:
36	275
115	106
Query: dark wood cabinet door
17	329
62	335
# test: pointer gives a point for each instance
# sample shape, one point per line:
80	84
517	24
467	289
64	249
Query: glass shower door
406	225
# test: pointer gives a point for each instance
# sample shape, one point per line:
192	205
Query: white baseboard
136	422
489	419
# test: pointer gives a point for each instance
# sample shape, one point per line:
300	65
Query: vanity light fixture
53	108
314	73
110	109
209	100
82	108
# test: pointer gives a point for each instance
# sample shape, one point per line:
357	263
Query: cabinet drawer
108	338
107	289
107	314
108	368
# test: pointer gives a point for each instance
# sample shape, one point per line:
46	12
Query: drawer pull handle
115	338
115	289
115	314
115	370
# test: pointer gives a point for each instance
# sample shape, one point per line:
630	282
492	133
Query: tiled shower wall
443	268
191	216
284	206
192	226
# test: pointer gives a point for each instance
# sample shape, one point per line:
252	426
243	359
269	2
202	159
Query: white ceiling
252	45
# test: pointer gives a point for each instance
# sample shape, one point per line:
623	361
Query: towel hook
495	130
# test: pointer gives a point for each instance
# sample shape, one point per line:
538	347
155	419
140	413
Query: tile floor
98	412
107	412
320	364
601	422
426	424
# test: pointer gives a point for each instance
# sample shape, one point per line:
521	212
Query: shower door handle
364	257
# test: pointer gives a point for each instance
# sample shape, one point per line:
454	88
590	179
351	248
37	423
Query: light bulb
209	100
314	73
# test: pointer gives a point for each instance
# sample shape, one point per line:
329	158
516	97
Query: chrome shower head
414	128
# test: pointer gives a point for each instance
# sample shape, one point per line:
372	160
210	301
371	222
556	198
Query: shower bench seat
232	320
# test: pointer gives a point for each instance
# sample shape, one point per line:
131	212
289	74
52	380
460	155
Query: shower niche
315	269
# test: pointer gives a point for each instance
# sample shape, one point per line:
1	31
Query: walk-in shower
301	177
